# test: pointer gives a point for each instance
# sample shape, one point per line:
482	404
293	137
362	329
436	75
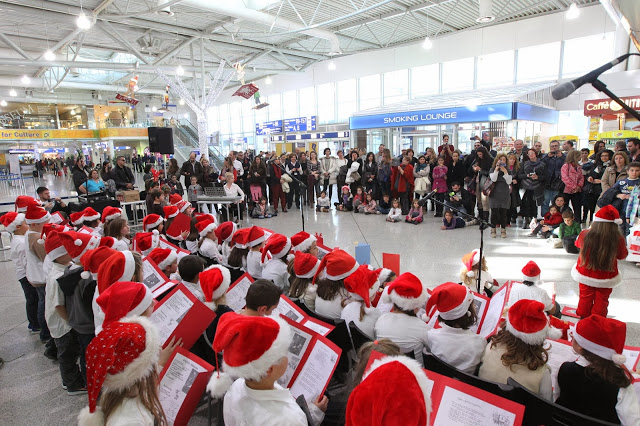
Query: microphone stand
601	87
483	225
301	186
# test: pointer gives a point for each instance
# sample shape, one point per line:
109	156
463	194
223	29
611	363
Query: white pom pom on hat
85	275
78	242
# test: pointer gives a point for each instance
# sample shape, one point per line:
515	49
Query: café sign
595	107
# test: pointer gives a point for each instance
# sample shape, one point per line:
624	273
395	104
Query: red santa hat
58	218
531	272
151	221
602	336
451	300
119	267
343	188
110	213
205	226
336	265
11	221
384	274
36	214
77	243
302	241
239	239
277	245
93	259
107	242
370	401
24	201
204	216
256	236
76	218
469	260
305	265
124	299
268	338
608	214
528	321
170	211
406	292
179	225
89	215
214	282
53	245
174	199
183	206
363	284
122	354
146	240
163	257
225	231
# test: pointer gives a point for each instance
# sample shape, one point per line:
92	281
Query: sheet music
297	348
459	408
632	357
170	313
315	373
236	296
481	304
494	312
287	310
176	383
318	328
558	355
152	277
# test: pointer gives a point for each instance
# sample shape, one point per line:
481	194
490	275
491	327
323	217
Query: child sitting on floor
370	206
415	214
323	203
568	232
358	200
262	210
346	198
395	214
545	227
384	205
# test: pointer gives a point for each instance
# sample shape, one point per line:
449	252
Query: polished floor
30	392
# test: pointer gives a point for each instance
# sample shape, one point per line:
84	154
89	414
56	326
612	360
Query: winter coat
262	174
553	171
328	165
405	181
572	178
439	179
535	185
611	176
456	172
500	197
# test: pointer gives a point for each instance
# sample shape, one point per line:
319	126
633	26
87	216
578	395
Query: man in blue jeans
553	162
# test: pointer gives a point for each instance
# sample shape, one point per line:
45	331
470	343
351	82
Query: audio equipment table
225	201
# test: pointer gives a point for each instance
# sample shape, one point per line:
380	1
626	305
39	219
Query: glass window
369	91
307	102
396	86
223	112
457	75
212	119
346	92
248	123
495	70
290	104
275	107
326	103
236	117
576	61
538	63
425	80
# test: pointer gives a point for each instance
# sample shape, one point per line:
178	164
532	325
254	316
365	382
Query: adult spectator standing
616	171
328	172
597	147
122	174
79	175
468	162
354	164
49	204
402	183
633	147
573	181
553	163
173	168
567	146
531	177
621	146
380	154
39	168
593	184
191	168
520	151
538	147
487	143
383	175
209	171
446	150
134	161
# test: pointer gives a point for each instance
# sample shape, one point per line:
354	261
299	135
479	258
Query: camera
452	194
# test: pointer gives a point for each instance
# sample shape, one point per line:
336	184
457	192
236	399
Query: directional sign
269	127
300	124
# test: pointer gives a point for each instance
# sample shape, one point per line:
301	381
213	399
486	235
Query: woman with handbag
313	178
370	171
328	172
513	165
531	178
499	194
481	168
421	177
355	172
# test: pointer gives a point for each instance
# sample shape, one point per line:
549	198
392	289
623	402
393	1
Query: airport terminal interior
345	97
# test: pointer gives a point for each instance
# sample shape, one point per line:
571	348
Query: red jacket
552	219
598	279
406	181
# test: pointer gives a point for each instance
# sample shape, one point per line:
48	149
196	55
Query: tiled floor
30	392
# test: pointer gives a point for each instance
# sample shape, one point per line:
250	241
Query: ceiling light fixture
181	101
427	43
180	70
573	12
25	80
484	12
3	103
268	80
72	112
331	66
154	109
12	92
49	55
83	22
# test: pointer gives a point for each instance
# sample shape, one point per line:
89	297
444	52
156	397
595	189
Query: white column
634	62
202	134
621	47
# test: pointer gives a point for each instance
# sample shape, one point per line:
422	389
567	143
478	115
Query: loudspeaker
160	140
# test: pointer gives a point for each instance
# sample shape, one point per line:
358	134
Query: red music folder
152	275
162	243
391	261
290	310
312	361
481	303
180	223
182	383
495	308
182	315
237	292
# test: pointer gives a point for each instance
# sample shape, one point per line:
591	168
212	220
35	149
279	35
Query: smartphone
531	174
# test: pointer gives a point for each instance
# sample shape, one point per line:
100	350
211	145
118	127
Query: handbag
488	187
355	176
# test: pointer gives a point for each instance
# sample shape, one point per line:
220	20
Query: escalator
187	140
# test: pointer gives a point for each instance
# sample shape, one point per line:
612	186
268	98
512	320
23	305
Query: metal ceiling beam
107	28
175	51
14	46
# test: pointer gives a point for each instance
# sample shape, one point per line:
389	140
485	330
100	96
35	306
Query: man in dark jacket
520	151
79	175
122	175
553	163
191	168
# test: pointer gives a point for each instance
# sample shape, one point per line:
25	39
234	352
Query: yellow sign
21	134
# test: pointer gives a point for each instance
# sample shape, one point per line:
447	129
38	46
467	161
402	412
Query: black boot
526	222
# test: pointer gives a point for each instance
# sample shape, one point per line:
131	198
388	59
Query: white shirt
195	290
209	248
121	245
409	333
226	251
98	315
238	166
19	255
233	190
130	412
351	313
58	327
254	267
276	271
35	270
522	291
461	348
333	308
192	246
394	212
244	406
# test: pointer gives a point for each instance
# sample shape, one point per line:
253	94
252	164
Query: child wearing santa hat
401	325
120	231
208	246
454	342
363	286
255	241
224	232
166	259
122	375
66	339
237	260
470	269
394	391
304	242
275	269
305	266
332	296
529	289
108	214
91	219
598	384
255	394
14	223
597	267
518	350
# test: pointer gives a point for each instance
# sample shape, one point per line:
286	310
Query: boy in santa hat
65	337
363	286
255	394
275	268
529	289
14	223
255	242
167	261
225	232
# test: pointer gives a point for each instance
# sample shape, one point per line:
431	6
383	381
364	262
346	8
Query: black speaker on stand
160	140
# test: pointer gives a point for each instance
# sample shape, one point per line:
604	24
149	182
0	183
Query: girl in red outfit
597	267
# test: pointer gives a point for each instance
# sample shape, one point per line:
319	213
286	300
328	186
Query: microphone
563	90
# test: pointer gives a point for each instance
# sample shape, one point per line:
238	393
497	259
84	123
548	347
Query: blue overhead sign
300	124
269	127
305	136
480	113
535	113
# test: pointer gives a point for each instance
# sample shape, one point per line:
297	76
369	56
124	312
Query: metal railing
187	134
